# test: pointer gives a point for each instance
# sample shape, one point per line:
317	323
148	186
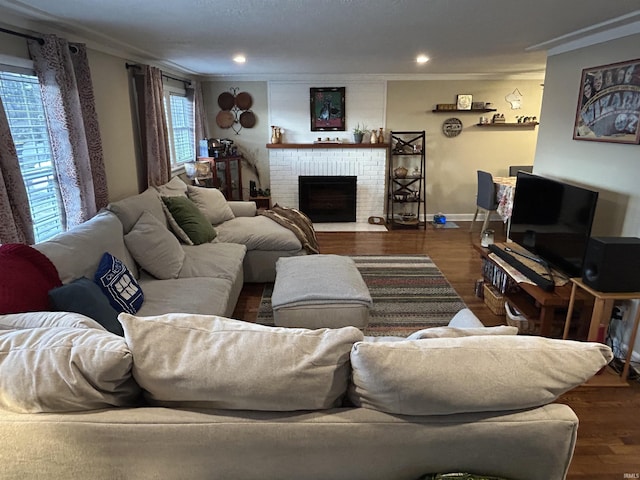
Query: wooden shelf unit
406	202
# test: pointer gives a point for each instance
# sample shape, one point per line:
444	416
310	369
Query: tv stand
546	309
516	259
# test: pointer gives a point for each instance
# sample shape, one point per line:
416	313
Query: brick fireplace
366	162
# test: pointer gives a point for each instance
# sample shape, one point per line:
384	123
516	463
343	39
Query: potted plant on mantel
358	133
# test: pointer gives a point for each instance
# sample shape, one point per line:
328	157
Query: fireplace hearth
328	198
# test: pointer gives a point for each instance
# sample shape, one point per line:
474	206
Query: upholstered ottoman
319	291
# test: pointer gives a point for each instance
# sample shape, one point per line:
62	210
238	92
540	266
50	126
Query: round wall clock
452	127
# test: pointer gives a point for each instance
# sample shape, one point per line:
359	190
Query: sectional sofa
183	392
174	274
185	396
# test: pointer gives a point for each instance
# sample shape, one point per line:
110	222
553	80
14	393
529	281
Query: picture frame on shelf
327	109
609	104
464	101
477	106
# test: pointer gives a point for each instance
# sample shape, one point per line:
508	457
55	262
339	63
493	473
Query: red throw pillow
26	276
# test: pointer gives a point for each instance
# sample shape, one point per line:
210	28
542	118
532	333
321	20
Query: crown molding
306	78
613	29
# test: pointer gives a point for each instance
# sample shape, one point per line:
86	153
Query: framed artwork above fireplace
327	109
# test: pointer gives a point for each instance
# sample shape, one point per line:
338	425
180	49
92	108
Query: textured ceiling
313	37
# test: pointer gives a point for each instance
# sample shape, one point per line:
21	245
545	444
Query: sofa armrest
243	209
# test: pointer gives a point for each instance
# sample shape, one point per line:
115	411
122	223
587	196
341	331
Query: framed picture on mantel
609	103
327	109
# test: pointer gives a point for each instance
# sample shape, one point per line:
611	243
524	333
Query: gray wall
612	169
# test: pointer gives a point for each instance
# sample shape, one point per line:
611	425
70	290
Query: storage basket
493	299
525	327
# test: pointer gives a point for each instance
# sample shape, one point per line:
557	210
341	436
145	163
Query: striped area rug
409	293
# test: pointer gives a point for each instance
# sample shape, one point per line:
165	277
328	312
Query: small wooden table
261	202
602	315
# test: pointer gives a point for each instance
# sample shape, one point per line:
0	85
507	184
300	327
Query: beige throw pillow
155	248
64	370
212	203
173	188
470	374
47	319
208	361
453	332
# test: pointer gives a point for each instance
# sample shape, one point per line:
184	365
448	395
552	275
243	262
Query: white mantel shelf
326	145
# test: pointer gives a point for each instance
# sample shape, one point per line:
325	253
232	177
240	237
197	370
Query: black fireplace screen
328	198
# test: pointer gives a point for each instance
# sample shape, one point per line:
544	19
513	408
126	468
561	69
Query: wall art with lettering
609	104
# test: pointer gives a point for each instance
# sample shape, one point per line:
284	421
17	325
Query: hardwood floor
608	446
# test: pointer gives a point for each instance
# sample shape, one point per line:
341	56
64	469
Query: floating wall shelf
473	110
327	145
509	125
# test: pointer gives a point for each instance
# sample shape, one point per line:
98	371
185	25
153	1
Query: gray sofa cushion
77	253
173	188
77	369
211	203
414	377
347	444
129	209
204	295
154	247
217	260
258	233
215	362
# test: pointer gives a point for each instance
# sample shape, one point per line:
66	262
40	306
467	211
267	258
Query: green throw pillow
190	219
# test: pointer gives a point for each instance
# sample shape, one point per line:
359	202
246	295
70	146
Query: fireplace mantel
326	145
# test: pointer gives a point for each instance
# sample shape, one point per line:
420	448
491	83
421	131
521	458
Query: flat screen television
553	219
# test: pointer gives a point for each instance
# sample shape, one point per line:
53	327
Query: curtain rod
23	35
183	80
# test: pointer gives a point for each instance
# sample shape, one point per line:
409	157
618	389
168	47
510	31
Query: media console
546	308
513	256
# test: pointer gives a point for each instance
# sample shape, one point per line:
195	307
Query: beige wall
452	162
612	169
111	90
251	141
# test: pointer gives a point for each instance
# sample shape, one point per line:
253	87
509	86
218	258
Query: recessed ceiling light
239	59
422	59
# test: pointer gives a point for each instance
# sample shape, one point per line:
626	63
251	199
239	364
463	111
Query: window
25	112
181	126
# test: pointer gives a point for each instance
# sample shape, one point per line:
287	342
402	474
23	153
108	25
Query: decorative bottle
381	136
374	137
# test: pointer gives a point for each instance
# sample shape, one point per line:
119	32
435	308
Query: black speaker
612	264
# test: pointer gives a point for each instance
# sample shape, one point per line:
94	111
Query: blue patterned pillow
118	284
